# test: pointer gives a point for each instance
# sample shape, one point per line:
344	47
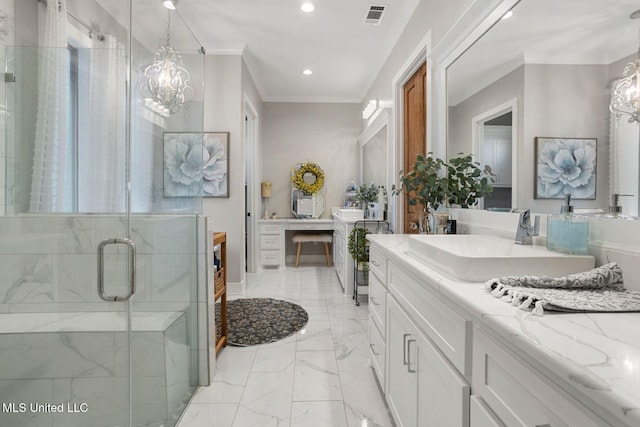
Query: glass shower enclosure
102	248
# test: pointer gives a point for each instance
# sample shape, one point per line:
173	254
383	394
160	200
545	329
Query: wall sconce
166	87
371	108
626	92
265	191
374	107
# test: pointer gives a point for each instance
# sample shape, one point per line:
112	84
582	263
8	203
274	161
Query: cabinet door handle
374	262
543	425
404	349
409	358
373	301
372	350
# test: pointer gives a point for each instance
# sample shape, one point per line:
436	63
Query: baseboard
235	289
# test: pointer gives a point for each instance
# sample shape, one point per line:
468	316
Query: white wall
572	104
299	132
223	112
460	116
227	81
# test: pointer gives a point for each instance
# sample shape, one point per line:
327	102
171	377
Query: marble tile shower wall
49	262
6	39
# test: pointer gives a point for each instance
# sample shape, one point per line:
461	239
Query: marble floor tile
315	335
266	400
319	377
208	415
318	414
316	376
275	357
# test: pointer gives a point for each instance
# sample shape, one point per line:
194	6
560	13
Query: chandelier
165	87
626	92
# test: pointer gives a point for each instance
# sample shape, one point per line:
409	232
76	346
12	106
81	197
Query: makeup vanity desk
273	236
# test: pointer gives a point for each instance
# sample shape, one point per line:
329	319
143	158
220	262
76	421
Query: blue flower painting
565	166
196	164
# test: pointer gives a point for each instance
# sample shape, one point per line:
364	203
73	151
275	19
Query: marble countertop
593	356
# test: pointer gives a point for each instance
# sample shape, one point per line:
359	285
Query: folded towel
598	290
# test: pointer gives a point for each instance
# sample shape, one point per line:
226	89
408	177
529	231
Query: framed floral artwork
196	164
565	166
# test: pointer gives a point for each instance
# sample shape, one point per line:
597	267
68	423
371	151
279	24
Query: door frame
395	166
252	179
477	135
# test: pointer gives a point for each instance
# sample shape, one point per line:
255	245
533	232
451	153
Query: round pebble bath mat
253	321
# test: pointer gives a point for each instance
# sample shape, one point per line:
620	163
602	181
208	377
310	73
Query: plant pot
362	277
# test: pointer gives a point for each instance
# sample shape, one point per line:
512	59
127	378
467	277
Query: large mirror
373	152
542	79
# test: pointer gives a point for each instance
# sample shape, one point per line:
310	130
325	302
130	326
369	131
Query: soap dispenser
615	210
567	232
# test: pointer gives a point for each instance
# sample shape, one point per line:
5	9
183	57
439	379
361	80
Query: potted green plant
466	182
358	249
433	182
424	185
367	195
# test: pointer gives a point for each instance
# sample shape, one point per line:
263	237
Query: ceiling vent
374	15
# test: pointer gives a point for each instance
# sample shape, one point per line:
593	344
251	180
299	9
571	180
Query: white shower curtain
102	147
52	178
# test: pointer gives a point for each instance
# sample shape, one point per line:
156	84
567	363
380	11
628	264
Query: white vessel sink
477	258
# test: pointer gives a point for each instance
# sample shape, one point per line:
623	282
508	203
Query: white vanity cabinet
446	338
423	388
378	313
341	257
271	242
517	394
427	349
480	415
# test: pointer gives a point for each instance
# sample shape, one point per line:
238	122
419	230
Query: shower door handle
132	269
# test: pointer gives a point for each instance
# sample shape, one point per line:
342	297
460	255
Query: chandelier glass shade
625	99
626	94
165	86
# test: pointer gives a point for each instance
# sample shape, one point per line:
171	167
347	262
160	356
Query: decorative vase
426	222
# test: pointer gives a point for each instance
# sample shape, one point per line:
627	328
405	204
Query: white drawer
377	348
378	263
446	328
310	226
377	302
270	228
270	242
270	257
520	396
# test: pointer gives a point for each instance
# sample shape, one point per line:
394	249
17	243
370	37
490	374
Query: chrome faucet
525	231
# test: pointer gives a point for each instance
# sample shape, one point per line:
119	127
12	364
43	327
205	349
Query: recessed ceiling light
307	7
307	72
507	15
170	4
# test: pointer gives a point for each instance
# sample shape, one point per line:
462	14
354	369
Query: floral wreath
299	182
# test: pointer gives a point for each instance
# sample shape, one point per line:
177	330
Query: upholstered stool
301	238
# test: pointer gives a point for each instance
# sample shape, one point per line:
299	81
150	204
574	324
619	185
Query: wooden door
415	131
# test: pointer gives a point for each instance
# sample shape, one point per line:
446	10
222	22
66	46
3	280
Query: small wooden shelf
220	287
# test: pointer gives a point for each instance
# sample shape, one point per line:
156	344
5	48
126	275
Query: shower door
98	289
